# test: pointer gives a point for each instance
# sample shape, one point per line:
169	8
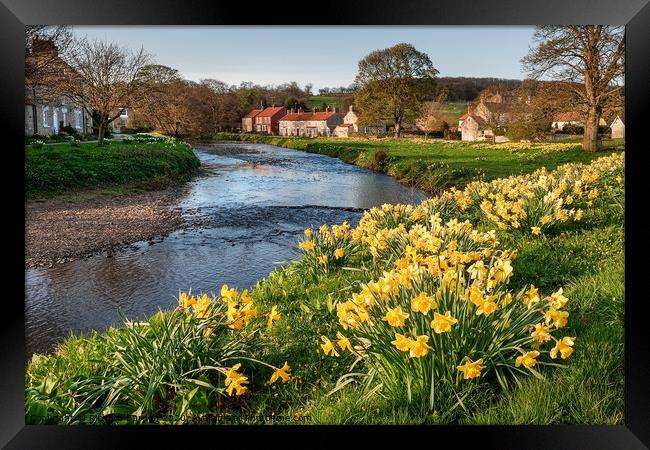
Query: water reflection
254	205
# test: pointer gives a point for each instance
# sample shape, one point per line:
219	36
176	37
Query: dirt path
78	225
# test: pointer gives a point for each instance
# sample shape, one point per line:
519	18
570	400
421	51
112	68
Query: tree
392	84
105	79
430	119
589	60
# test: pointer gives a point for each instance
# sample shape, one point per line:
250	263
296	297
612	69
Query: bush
380	156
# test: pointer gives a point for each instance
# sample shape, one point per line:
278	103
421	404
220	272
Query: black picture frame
635	14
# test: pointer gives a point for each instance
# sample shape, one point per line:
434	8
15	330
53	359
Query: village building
123	121
574	118
268	120
247	121
351	125
46	118
618	128
311	124
479	123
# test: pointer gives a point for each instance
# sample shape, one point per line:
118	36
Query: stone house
312	124
247	121
267	121
478	124
351	124
618	128
47	118
123	121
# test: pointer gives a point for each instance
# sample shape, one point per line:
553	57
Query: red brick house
247	121
268	121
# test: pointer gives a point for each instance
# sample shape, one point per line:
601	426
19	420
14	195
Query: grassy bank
178	367
434	165
145	162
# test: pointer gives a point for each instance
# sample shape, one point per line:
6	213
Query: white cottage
618	128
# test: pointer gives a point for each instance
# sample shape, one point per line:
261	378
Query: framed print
384	217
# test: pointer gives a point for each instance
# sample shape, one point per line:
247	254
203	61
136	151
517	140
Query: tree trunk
590	141
100	133
398	128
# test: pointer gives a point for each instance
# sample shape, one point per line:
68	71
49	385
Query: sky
325	56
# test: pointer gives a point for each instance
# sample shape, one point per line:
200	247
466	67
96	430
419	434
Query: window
46	116
77	119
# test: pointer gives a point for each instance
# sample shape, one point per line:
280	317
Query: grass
147	163
586	258
431	165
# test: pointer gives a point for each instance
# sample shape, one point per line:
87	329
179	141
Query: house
562	119
123	121
49	116
247	121
268	120
47	113
475	128
618	128
314	123
351	124
479	124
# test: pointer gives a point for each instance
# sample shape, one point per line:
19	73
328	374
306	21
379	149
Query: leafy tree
393	83
589	60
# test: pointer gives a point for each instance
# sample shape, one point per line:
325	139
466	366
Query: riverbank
155	372
434	166
74	226
145	162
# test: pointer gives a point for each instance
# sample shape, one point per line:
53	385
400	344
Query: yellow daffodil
282	373
308	232
402	342
531	296
558	318
396	317
487	307
419	347
527	359
471	369
535	230
339	253
442	323
343	342
322	259
273	316
307	245
328	347
558	300
540	334
564	346
228	294
423	303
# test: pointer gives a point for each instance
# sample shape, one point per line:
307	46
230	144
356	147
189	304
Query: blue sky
323	56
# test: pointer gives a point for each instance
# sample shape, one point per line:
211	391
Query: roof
307	116
345	125
570	116
270	111
252	114
478	119
465	116
495	107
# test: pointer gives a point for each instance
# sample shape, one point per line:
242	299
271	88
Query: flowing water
252	208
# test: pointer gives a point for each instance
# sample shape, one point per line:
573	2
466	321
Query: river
253	206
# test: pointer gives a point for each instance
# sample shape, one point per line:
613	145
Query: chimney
300	110
313	110
273	105
327	109
351	108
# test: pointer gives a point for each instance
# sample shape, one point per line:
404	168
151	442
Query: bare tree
105	79
589	60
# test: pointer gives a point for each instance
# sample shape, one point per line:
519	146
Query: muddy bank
75	226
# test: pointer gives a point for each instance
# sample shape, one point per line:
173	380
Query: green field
53	169
167	371
435	165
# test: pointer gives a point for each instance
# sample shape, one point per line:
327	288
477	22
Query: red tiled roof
252	114
571	116
270	111
465	116
307	116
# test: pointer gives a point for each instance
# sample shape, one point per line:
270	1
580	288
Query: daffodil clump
535	202
441	313
326	249
232	312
